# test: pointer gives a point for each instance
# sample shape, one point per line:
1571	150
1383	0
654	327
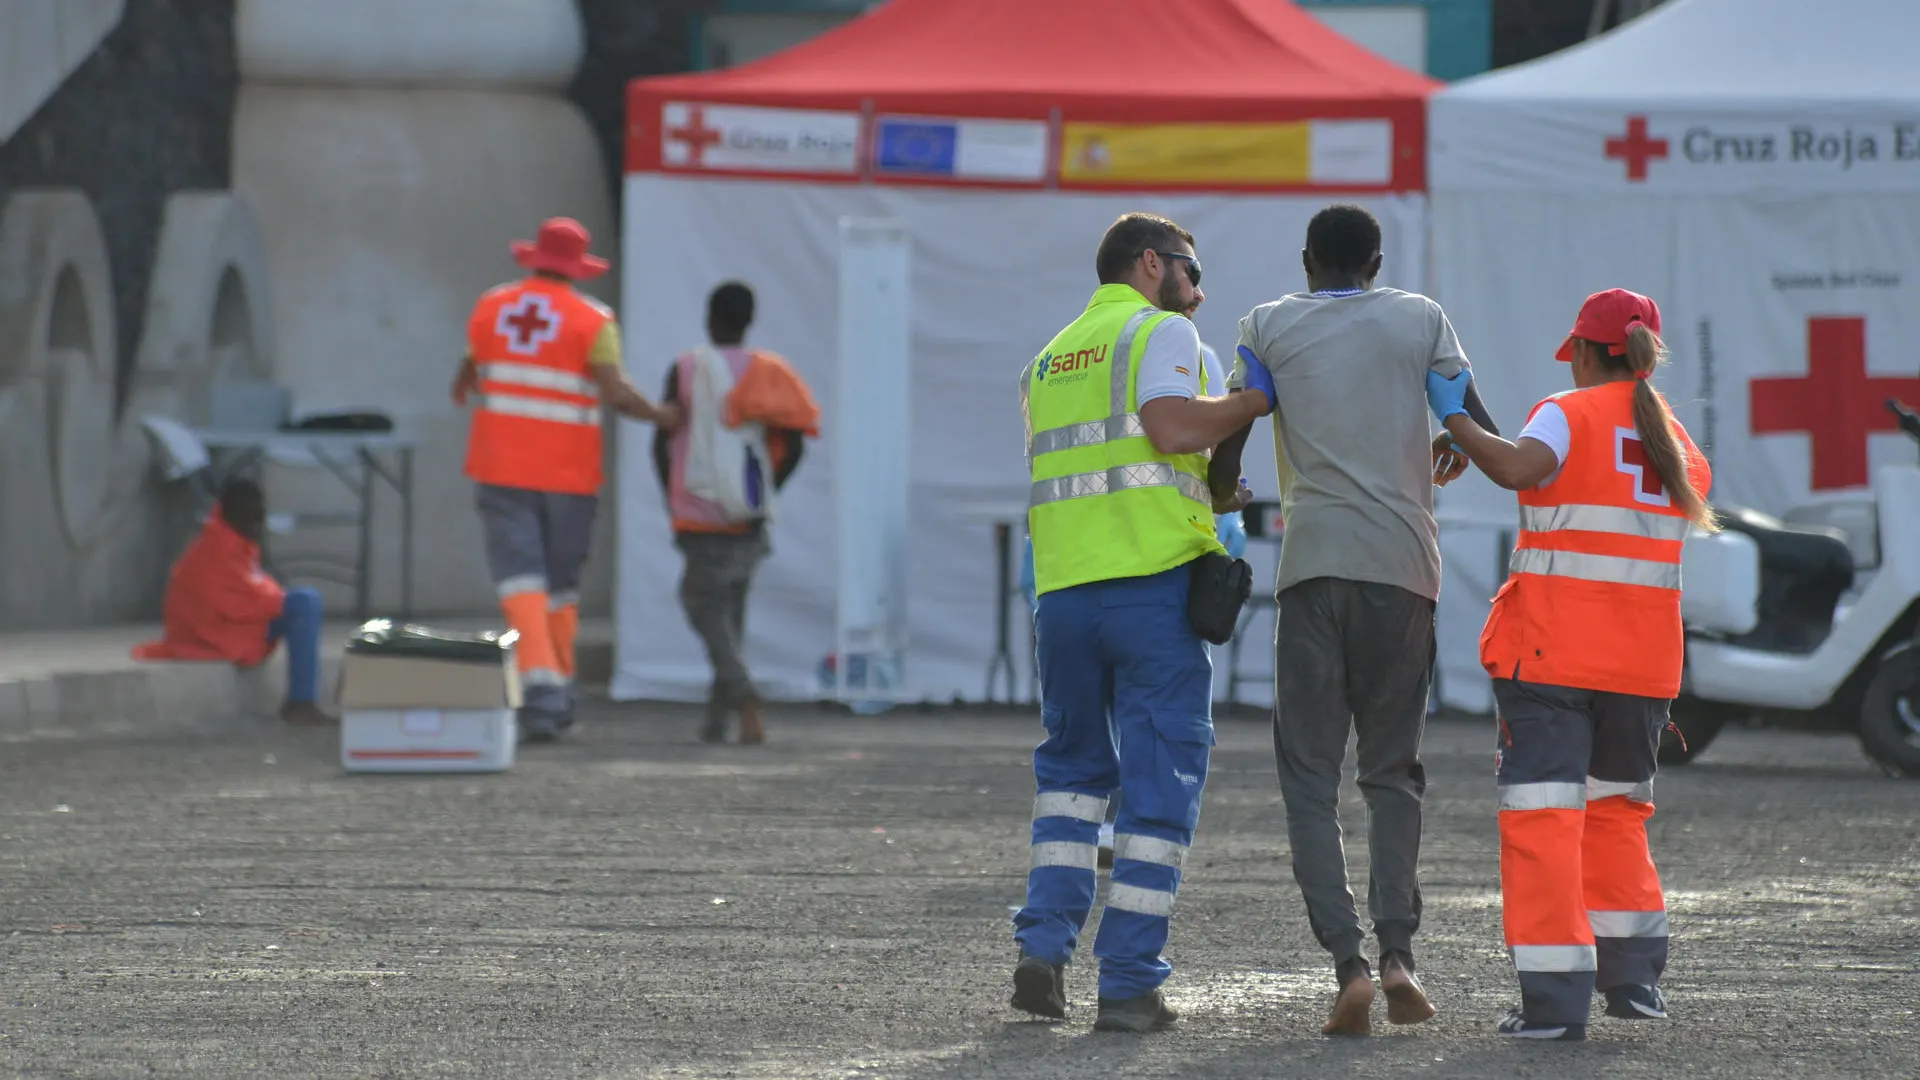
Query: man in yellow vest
542	359
1118	433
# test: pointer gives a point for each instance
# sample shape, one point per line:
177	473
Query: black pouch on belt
1219	588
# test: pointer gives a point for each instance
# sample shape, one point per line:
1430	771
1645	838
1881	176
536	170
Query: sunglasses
1193	264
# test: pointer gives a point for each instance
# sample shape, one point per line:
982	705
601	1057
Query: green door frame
1459	32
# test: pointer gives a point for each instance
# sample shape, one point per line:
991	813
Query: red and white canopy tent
1005	135
1754	166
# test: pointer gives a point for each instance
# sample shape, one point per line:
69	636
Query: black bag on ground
1219	588
384	637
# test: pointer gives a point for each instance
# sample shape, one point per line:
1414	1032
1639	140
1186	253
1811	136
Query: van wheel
1890	714
1699	722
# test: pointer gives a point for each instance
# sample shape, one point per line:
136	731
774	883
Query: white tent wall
1780	184
995	275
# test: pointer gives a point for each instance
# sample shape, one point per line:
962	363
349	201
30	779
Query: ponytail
1654	421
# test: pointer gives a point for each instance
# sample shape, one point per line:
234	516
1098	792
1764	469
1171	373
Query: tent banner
1531	144
1792	324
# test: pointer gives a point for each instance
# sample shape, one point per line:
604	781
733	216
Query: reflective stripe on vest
1121	425
535	408
1120	478
1606	519
538	377
1612	569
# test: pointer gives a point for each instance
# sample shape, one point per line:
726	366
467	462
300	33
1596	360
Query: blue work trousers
1126	698
299	626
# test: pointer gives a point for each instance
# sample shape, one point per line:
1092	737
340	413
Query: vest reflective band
1594	597
537	421
1103	503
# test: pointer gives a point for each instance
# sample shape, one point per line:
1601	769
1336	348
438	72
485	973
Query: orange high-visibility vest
1593	600
538	422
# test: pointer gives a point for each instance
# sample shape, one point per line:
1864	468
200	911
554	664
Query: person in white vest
746	412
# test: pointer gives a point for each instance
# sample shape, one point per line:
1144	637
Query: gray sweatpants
1352	656
713	590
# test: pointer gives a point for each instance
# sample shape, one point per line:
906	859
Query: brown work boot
305	714
1352	1009
753	726
1406	1002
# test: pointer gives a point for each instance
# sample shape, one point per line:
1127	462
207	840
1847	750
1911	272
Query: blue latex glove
1232	531
1259	378
1448	397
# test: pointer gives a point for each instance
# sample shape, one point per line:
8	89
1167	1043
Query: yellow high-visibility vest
1105	504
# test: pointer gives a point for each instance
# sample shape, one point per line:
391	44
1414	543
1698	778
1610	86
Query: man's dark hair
243	506
1128	237
242	495
1343	238
730	309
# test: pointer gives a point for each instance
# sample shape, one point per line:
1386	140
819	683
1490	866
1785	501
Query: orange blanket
770	392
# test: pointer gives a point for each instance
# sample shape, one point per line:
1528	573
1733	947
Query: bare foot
753	725
1351	1009
1406	1002
305	714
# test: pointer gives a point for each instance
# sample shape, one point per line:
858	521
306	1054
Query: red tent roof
1116	61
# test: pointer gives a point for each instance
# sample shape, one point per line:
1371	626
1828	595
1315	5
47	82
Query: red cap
561	249
1606	317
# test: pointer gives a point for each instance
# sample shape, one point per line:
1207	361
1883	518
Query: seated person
221	606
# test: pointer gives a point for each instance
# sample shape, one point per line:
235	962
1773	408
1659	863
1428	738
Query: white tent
1753	165
1005	150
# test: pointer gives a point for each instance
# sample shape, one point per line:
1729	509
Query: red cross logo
1630	457
687	144
527	325
1837	404
1636	149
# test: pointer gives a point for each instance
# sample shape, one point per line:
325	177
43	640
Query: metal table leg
361	585
406	532
1003	652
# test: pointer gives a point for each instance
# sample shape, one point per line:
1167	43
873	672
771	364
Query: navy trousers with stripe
1126	698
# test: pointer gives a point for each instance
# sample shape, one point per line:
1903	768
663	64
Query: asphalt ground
836	903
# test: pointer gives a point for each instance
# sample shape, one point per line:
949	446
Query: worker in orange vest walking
542	359
1585	646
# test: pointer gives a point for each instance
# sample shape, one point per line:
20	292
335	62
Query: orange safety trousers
537	543
1580	898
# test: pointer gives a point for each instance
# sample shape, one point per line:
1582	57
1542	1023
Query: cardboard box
404	682
404	667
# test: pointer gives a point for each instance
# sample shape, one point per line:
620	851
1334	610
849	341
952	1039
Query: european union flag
917	146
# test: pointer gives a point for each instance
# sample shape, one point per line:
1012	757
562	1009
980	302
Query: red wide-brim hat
561	248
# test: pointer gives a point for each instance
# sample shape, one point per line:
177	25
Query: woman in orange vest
1585	647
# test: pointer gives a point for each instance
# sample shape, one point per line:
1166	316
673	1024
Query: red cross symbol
529	324
1637	149
1836	404
1630	457
1634	452
696	135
